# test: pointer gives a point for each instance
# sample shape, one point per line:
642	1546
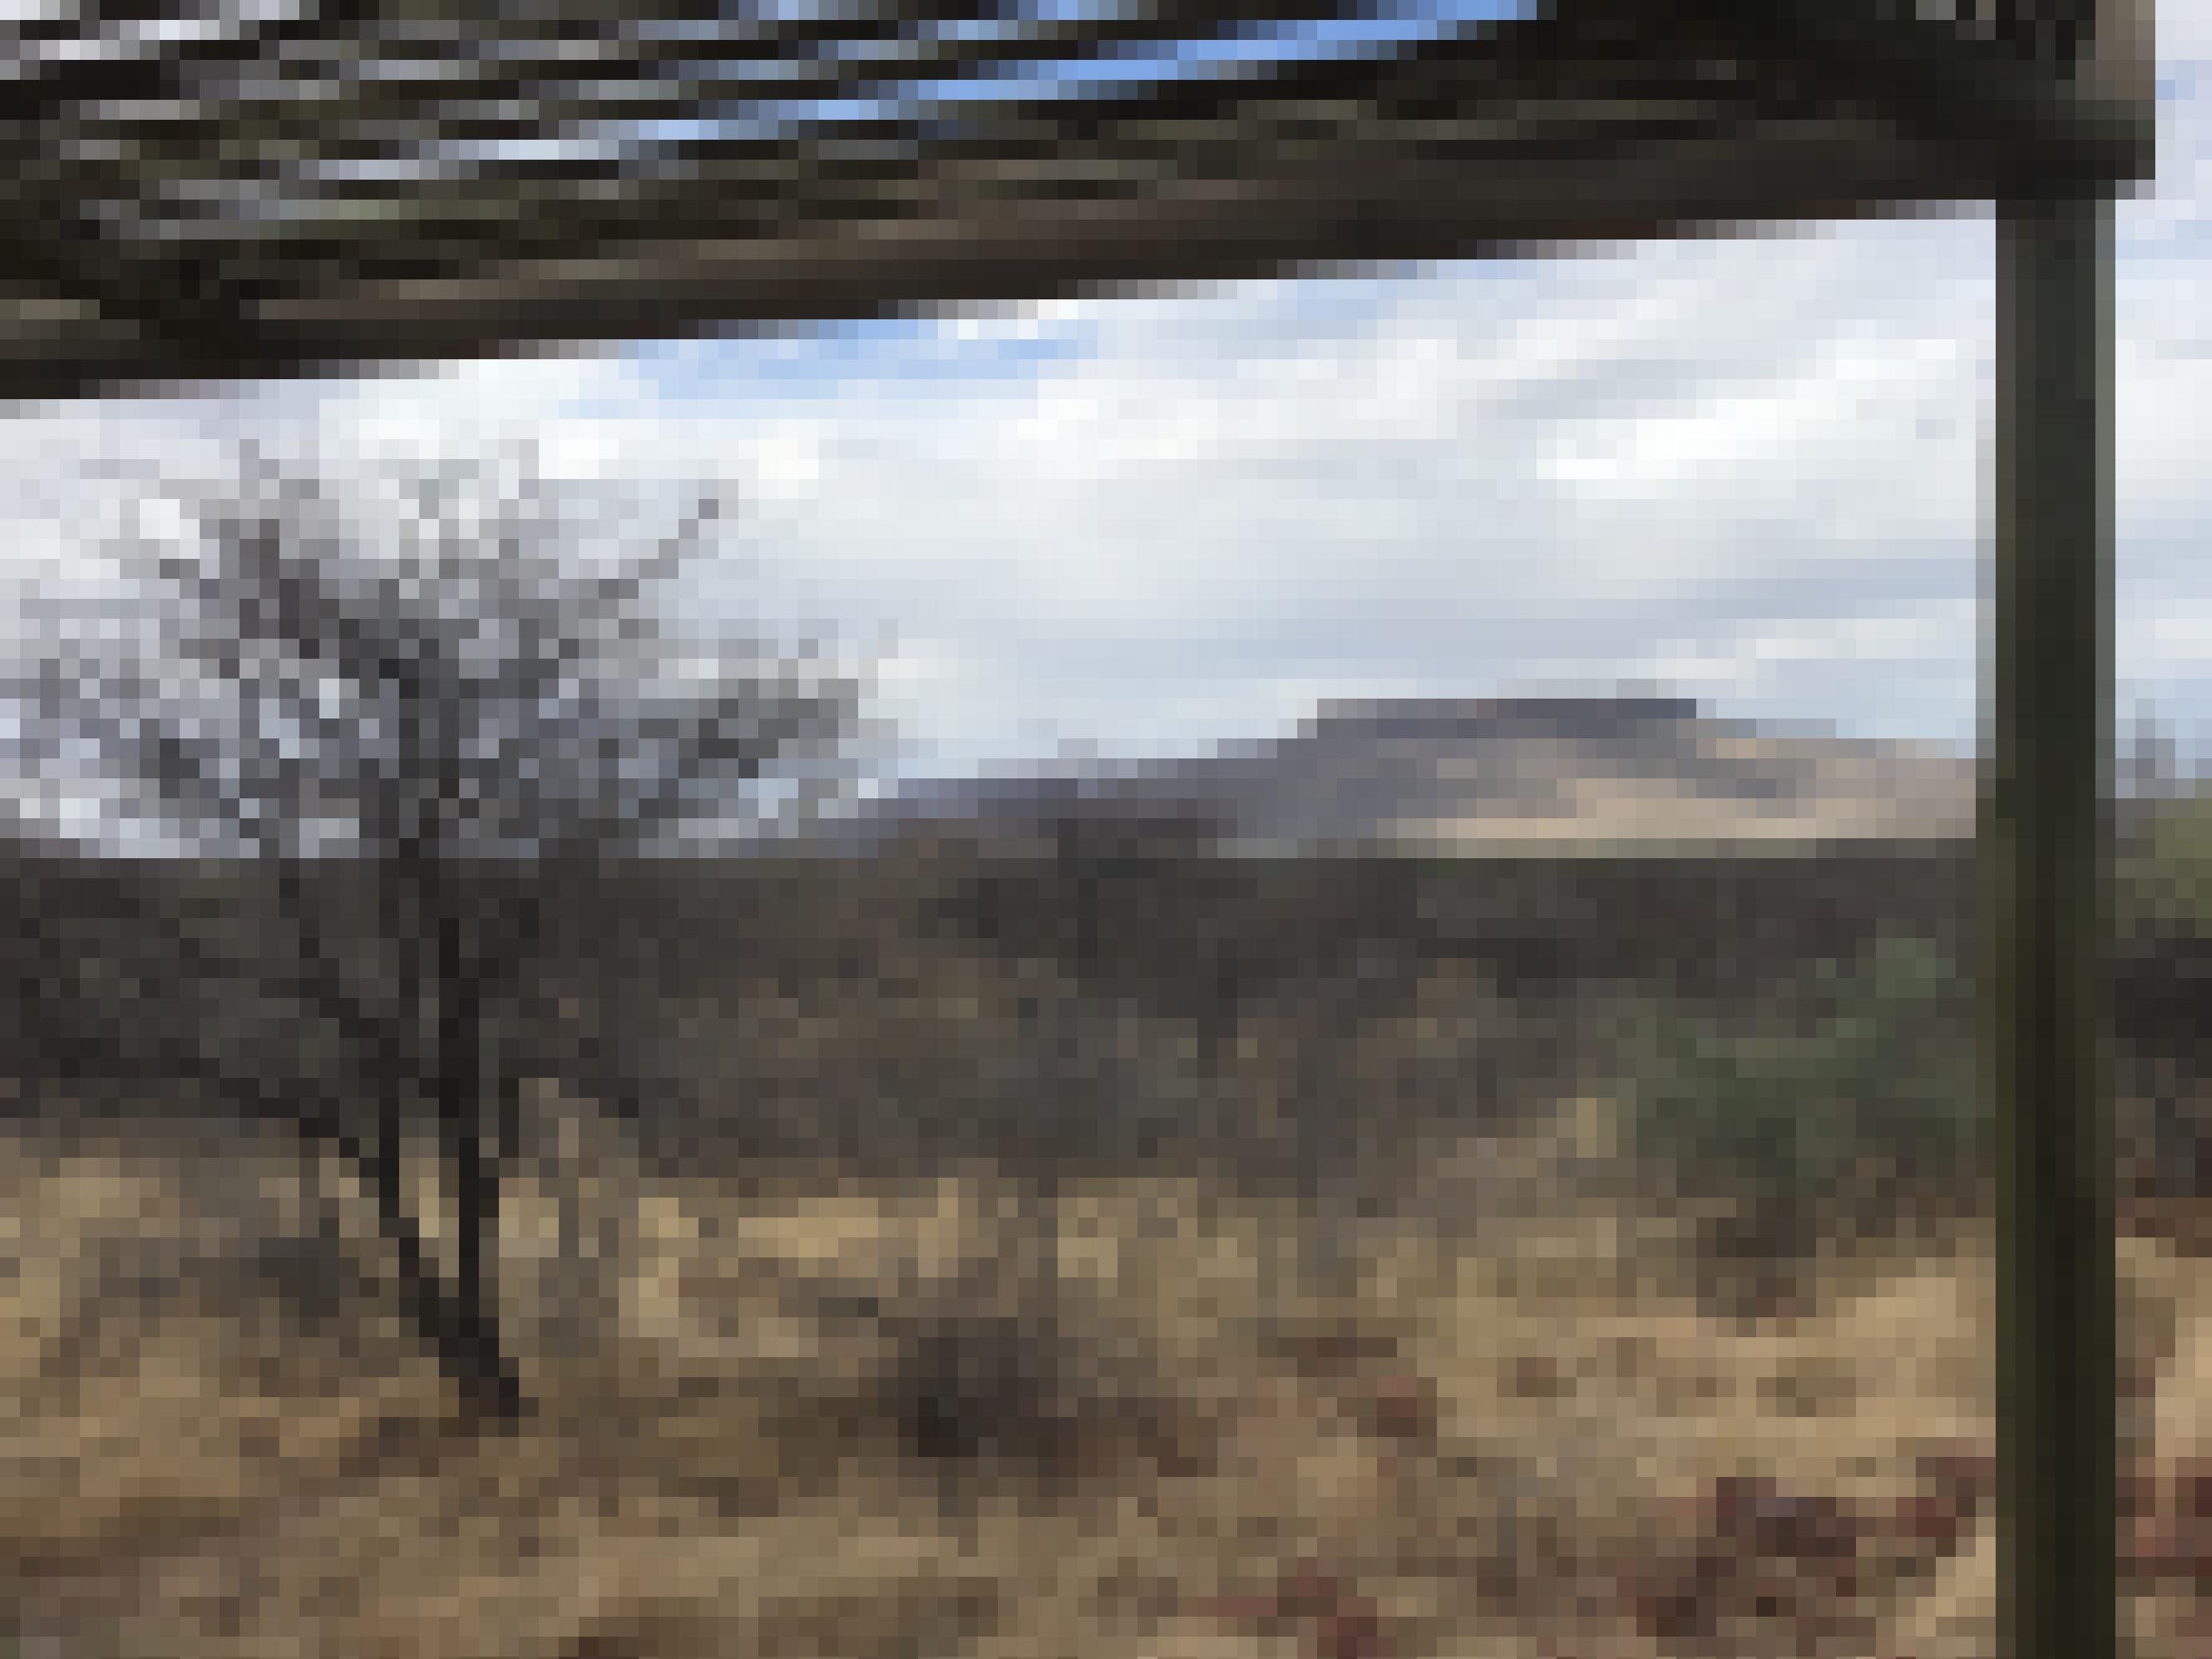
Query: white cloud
1756	465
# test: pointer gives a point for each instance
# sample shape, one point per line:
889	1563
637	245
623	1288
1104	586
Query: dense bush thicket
813	1008
2165	870
1861	1081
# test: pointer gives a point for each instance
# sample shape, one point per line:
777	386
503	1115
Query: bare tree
466	723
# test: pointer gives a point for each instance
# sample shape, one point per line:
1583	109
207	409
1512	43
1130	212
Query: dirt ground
812	1417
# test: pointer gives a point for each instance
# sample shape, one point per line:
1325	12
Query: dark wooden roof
315	186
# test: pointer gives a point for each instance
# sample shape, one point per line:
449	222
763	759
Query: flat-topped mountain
1533	774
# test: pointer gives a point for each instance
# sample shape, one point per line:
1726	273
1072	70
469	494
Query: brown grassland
795	1410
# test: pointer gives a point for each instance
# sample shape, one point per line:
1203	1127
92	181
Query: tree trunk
472	1175
420	1295
457	1318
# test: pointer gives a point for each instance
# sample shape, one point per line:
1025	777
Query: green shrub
2166	878
1796	1118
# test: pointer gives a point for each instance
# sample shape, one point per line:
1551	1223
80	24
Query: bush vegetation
1857	1083
2165	876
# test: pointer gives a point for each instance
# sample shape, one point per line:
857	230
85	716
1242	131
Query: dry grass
825	1417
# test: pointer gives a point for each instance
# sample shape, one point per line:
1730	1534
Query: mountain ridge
1476	775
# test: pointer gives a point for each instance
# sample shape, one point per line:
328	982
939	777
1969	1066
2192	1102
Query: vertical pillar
2044	827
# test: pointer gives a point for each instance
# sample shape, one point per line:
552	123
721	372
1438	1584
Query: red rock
1935	1519
1402	1407
1336	1623
1735	1498
2193	1631
1305	1592
1754	1512
1970	1472
2193	1489
2149	1553
2141	1491
1352	1633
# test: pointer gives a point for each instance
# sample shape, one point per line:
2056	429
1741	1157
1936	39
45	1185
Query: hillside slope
1526	774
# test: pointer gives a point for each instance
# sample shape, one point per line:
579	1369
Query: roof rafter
319	185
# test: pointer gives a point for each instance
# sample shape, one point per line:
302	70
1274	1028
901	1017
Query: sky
1751	469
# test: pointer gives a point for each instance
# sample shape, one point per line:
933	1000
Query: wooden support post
2044	823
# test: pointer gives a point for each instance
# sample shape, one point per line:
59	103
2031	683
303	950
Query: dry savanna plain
1437	1378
